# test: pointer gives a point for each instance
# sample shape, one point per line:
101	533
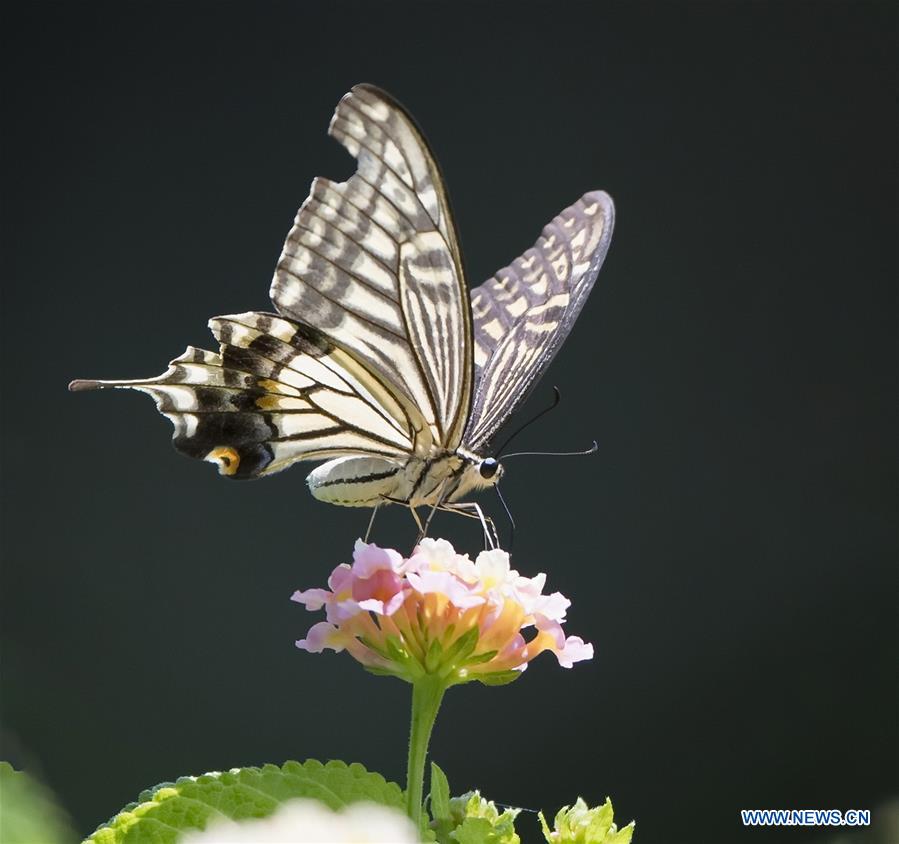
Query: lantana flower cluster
439	613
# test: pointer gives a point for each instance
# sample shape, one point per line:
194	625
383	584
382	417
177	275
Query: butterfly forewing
374	263
522	314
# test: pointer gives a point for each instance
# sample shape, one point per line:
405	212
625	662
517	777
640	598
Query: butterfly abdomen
418	481
356	481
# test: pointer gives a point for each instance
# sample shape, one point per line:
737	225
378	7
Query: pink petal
443	583
312	599
368	559
575	650
319	637
554	630
531	585
341	579
494	565
515	651
434	555
388	607
381	584
338	612
391	606
551	606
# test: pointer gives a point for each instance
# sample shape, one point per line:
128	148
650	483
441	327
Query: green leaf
463	647
477	659
475	831
28	812
394	650
440	794
162	813
433	657
373	646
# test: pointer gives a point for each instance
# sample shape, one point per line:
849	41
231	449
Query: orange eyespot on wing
227	458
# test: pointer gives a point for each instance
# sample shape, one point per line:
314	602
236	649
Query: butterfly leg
421	528
412	510
472	510
371	521
437	506
491	535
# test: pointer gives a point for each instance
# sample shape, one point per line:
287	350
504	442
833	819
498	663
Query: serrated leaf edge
291	768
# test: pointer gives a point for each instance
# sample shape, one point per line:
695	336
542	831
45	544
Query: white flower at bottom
310	822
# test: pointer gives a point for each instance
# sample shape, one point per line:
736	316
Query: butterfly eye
488	467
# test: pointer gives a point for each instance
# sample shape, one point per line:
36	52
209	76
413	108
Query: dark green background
731	550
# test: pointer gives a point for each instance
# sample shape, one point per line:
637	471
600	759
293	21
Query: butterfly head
490	469
473	472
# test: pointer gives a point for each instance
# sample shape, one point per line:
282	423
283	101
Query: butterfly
376	359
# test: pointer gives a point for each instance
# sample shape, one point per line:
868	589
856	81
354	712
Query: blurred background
731	550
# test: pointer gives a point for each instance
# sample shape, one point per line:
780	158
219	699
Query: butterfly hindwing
277	392
523	314
374	263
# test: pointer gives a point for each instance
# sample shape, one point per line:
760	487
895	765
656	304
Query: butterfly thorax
443	476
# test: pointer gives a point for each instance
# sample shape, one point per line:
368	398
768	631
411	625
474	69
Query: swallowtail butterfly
376	359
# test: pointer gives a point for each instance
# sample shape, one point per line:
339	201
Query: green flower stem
427	693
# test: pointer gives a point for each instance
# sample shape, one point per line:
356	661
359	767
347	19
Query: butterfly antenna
517	808
509	514
557	398
592	450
